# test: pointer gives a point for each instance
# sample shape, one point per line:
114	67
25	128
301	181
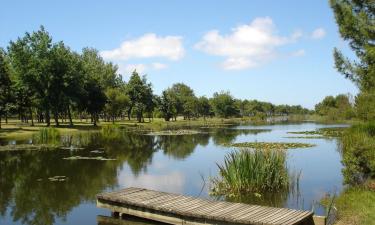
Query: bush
358	145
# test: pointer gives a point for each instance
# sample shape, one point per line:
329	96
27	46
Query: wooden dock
178	209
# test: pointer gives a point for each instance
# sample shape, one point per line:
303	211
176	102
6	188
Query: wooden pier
178	209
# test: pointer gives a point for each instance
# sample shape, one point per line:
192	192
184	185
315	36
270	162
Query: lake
182	164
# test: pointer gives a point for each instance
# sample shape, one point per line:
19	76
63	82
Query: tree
117	101
184	98
204	107
334	108
167	106
224	105
31	59
140	95
5	84
98	77
355	19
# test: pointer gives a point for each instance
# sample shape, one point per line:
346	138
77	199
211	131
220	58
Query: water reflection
165	163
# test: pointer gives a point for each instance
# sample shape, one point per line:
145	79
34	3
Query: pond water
179	164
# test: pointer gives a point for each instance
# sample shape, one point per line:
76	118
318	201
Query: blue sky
276	51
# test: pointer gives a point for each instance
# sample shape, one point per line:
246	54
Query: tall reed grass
48	135
111	132
245	171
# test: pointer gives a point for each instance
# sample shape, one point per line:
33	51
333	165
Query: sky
275	51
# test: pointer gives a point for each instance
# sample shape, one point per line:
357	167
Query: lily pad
174	132
58	178
272	145
99	158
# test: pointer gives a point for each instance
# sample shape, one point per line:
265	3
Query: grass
271	145
47	135
16	130
356	206
246	171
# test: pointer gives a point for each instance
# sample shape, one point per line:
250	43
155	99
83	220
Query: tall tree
140	95
356	21
224	105
5	84
117	101
31	59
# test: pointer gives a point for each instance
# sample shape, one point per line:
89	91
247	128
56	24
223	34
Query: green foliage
358	146
167	105
356	25
247	171
140	95
224	105
336	108
5	84
117	102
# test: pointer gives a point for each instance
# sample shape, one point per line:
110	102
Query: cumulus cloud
148	46
318	33
129	68
248	45
159	66
171	182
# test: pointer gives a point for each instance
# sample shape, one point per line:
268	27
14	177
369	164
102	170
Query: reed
245	171
48	135
111	132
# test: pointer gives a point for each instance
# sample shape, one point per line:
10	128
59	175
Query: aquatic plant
99	158
175	132
47	135
245	171
110	132
271	145
323	132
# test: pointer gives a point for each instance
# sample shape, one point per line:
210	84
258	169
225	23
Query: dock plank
180	209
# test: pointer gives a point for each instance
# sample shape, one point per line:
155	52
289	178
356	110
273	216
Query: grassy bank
16	130
356	205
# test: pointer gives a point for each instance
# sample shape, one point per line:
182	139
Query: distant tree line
339	107
44	81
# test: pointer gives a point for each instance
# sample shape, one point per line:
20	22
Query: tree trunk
70	117
56	117
31	116
48	118
6	117
129	112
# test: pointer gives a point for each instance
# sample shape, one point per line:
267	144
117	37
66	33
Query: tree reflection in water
29	197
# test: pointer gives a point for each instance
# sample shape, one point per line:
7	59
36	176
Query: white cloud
129	68
159	66
148	46
318	33
171	182
237	63
299	53
247	45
